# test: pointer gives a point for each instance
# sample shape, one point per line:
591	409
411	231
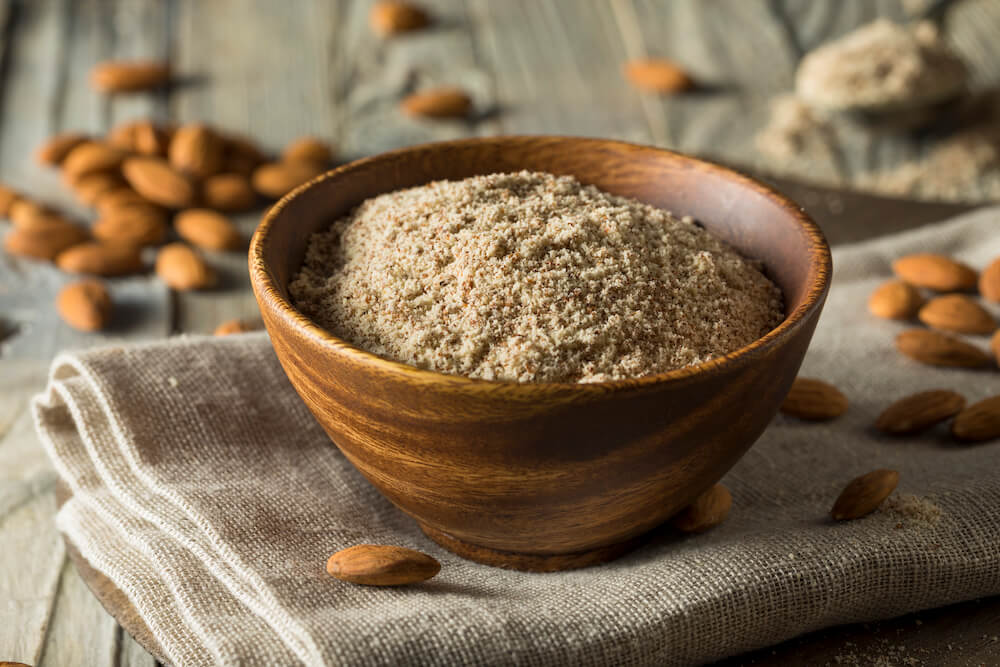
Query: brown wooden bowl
545	476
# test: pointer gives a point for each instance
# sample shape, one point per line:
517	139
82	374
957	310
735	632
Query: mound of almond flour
530	277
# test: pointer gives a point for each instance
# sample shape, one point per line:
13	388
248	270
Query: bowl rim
269	296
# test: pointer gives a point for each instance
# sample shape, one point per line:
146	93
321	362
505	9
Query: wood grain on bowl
545	476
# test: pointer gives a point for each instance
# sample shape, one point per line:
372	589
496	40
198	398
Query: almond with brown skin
24	213
445	102
7	198
989	281
277	179
196	150
958	313
392	17
55	149
158	182
658	76
101	258
381	565
230	327
895	300
85	305
864	494
978	422
814	400
707	511
229	193
89	187
47	244
308	149
122	136
137	225
150	139
936	272
918	412
938	349
120	197
242	155
91	156
181	268
205	228
129	76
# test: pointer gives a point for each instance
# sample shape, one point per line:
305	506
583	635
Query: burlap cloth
207	493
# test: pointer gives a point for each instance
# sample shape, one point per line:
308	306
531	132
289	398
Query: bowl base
531	562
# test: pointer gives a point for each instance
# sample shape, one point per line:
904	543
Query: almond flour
531	277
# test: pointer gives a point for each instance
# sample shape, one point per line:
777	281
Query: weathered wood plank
80	631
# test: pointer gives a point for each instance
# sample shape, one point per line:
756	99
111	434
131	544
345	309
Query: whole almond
229	193
7	198
181	268
814	400
242	155
119	198
138	225
920	411
938	349
89	187
978	422
196	150
205	228
158	182
707	511
237	326
49	222
989	281
91	156
84	305
442	102
864	494
277	179
24	213
959	313
150	139
308	149
55	149
122	136
45	244
381	565
895	300
391	17
658	76
129	76
936	272
101	258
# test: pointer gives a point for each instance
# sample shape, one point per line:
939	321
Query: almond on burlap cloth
206	492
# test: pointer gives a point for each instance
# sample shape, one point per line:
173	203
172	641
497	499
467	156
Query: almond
102	258
85	305
381	565
864	494
389	17
119	198
895	300
7	198
205	228
24	213
181	268
989	281
55	149
44	244
91	156
196	150
995	346
128	76
438	103
936	272
277	179
158	182
707	511
978	422
814	400
138	225
230	327
150	139
938	349
959	313
89	187
920	411
122	136
228	192
308	149
242	155
658	76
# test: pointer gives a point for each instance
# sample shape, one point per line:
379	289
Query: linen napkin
206	492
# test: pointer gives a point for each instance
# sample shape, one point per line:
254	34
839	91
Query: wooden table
277	70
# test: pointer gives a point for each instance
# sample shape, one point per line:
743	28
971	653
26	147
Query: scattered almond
959	313
658	76
230	327
89	187
138	225
206	228
91	156
308	149
391	17
707	511
438	103
44	244
85	305
102	258
920	411
277	179
157	181
128	76
938	349
936	272
228	192
864	494
242	156
989	281
978	422
814	400
895	300
55	149
122	136
381	565
24	213
196	150
149	139
7	198
118	198
181	268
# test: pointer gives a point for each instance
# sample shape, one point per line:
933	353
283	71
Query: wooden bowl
545	476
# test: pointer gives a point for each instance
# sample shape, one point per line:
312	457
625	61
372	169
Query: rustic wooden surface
280	69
